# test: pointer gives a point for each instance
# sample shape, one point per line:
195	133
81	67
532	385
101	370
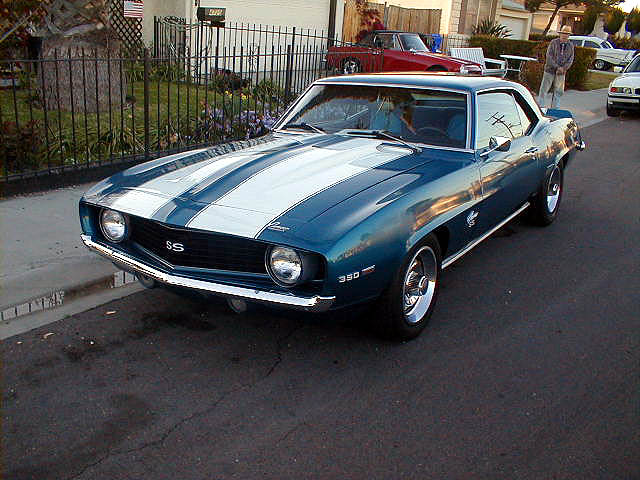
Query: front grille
201	249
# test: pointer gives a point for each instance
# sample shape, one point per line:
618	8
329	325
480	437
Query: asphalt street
529	368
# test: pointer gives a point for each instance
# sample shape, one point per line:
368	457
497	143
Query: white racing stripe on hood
147	198
253	204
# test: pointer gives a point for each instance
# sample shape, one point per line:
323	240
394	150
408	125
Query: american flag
133	9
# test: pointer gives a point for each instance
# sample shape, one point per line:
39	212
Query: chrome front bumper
315	303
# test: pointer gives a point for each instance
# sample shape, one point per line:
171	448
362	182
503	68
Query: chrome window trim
498	90
467	148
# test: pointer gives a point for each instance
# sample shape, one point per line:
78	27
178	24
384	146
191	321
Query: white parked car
606	55
624	91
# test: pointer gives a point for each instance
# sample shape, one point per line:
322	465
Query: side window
497	117
590	44
367	40
386	41
524	119
577	43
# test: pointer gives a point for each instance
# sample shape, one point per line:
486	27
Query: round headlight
113	225
285	265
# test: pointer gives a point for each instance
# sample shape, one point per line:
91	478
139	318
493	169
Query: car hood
629	79
243	190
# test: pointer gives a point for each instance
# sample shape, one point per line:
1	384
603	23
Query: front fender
363	261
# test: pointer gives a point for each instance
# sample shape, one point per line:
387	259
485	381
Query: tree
69	30
613	21
589	19
16	16
633	22
369	19
535	5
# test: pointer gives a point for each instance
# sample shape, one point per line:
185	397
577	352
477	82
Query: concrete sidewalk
40	233
588	108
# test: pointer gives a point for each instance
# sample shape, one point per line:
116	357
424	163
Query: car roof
425	79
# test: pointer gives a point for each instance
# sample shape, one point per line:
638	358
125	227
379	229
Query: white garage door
290	13
518	27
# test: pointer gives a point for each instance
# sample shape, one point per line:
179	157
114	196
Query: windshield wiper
305	126
388	136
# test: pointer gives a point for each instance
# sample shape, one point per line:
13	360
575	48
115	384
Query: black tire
437	68
397	319
351	65
600	64
612	112
545	205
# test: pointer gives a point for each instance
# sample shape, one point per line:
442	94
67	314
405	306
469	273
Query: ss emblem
175	247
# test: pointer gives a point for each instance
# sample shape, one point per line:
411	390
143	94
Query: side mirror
500	144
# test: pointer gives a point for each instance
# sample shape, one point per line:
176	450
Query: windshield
413	42
606	45
634	66
412	114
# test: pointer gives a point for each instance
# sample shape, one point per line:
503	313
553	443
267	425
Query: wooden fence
393	17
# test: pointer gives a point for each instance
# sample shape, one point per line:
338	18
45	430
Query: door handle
531	150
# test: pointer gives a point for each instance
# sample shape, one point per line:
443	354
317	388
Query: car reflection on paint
368	186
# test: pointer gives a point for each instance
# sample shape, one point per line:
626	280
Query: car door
508	177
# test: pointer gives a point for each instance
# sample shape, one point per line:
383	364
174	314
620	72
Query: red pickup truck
393	51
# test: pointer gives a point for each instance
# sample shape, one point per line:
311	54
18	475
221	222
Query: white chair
476	55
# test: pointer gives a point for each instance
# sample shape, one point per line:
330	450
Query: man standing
559	60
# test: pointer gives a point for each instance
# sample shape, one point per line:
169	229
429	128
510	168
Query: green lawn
596	80
175	112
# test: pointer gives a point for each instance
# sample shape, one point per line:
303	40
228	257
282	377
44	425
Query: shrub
492	29
226	80
268	91
626	43
22	147
535	37
494	47
168	71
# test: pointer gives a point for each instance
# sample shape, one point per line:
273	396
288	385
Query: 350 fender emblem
355	275
175	247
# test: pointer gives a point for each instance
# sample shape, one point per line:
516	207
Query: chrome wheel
599	64
350	66
553	189
419	284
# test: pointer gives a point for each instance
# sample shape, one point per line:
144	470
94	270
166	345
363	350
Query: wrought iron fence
78	110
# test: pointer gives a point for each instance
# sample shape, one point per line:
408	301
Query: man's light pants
552	82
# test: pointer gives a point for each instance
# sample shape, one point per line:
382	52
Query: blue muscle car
367	187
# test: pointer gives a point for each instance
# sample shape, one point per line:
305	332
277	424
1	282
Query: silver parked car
606	55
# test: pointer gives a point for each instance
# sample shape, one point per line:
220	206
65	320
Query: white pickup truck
606	55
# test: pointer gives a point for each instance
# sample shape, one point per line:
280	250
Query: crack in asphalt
279	343
173	428
290	431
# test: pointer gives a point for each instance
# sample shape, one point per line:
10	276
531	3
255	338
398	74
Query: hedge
625	43
493	47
